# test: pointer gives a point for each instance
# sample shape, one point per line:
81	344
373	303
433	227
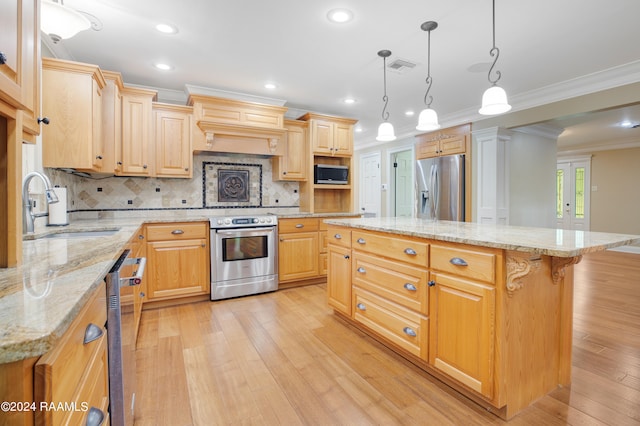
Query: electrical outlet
383	187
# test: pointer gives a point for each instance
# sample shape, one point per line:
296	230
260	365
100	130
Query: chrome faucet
28	216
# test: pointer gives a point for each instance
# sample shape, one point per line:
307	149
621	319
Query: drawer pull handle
91	333
458	261
299	225
177	232
362	270
410	251
431	283
409	332
361	306
337	237
361	241
3	58
410	287
95	417
346	256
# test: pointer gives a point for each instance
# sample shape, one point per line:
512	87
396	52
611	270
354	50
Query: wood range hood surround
233	126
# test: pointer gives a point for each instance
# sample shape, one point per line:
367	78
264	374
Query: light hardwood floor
284	359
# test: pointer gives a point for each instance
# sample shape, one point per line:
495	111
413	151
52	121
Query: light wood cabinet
177	260
112	121
298	249
339	273
293	164
330	136
20	62
134	296
76	369
454	140
136	155
72	100
173	153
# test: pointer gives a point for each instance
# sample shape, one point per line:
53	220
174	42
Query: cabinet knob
458	261
431	283
141	237
361	306
91	333
119	163
337	237
409	332
410	251
142	294
410	287
3	58
144	167
98	157
186	169
203	245
360	241
346	256
95	417
362	270
284	173
44	120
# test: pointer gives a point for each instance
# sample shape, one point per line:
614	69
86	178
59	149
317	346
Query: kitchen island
486	309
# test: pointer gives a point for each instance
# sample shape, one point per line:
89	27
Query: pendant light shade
385	130
61	22
428	118
494	100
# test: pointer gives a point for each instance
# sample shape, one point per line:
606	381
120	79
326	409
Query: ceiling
238	46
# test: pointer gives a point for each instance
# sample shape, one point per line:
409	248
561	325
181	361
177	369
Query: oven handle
243	231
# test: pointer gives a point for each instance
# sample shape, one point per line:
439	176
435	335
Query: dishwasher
121	338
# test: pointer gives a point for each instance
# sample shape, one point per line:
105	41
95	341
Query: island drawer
469	263
306	224
403	284
177	231
339	237
403	327
397	248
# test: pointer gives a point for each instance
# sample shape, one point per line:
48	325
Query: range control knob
227	221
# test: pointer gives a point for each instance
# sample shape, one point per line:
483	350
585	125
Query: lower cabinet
339	278
76	370
177	260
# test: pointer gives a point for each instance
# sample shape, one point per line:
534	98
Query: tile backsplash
200	192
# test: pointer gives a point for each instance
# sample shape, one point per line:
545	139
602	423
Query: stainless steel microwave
331	174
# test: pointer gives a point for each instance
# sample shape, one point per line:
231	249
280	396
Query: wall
615	206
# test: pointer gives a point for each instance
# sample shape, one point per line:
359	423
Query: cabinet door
427	150
466	310
136	135
295	159
322	134
173	144
453	145
97	141
339	279
298	256
177	268
343	139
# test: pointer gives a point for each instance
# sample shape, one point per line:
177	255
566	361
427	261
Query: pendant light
428	119
61	22
385	130
494	100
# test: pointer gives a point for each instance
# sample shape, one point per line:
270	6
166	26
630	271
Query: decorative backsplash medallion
231	185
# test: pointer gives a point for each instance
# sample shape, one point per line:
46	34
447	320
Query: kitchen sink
83	234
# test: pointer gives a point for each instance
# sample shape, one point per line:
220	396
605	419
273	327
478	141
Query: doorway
573	188
370	179
402	172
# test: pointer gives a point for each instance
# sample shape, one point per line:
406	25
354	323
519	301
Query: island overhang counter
487	309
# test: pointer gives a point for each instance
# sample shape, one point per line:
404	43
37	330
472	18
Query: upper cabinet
331	136
112	121
135	155
453	140
72	100
293	164
20	62
172	136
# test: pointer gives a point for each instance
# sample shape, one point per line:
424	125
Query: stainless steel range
244	255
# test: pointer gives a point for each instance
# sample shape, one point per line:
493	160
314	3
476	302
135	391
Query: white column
491	173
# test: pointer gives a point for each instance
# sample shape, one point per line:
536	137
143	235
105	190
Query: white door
402	183
572	194
370	203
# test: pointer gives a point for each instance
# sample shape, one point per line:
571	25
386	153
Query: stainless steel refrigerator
440	188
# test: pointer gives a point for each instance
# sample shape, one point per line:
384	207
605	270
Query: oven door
244	253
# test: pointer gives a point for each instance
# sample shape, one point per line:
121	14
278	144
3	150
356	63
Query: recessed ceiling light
358	129
340	16
349	101
409	113
163	67
166	29
270	86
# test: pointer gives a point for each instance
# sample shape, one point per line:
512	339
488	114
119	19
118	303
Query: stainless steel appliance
244	255
331	174
440	188
121	337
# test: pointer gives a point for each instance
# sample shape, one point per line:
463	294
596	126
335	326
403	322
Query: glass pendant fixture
385	130
428	119
494	99
61	22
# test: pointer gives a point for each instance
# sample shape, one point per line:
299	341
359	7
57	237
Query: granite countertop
542	241
40	298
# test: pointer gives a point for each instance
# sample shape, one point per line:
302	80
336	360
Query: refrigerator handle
433	183
424	200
